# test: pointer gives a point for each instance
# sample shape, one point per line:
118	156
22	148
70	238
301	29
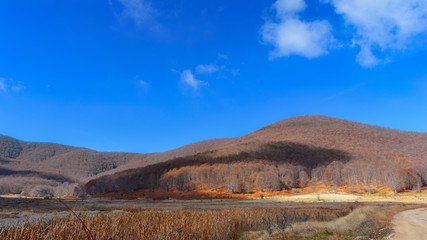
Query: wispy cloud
209	68
143	83
292	36
222	56
3	86
345	91
365	57
141	11
219	70
383	25
7	85
17	87
188	78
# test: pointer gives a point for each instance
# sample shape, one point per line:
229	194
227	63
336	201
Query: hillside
39	168
32	166
295	151
314	148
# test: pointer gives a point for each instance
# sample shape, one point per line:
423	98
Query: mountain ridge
307	141
303	139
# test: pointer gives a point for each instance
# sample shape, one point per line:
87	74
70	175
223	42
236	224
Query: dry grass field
309	213
199	219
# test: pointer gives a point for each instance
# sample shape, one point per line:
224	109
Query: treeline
244	177
235	177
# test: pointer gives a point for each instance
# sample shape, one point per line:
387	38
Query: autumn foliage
246	177
294	152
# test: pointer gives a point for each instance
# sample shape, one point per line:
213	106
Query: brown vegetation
158	223
246	177
46	168
312	149
164	224
294	152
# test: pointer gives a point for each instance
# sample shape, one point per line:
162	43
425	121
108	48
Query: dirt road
411	225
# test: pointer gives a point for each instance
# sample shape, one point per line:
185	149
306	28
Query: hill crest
307	141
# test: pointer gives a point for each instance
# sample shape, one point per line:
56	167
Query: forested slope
290	153
35	167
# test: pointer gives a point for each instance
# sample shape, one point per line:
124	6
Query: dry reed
144	223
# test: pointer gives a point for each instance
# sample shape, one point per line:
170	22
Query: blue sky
146	76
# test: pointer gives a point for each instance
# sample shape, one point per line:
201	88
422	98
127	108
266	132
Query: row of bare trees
237	177
394	175
244	177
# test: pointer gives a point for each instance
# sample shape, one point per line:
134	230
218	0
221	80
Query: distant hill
318	145
27	166
38	168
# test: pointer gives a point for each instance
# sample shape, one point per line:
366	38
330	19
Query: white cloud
290	35
366	58
286	7
187	77
377	28
140	11
382	24
9	84
209	68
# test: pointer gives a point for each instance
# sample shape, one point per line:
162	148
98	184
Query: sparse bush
43	192
370	190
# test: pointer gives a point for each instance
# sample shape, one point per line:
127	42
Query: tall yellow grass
145	223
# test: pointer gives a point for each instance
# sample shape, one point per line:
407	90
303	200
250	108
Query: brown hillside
358	139
309	143
31	166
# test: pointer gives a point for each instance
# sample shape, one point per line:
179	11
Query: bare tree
303	179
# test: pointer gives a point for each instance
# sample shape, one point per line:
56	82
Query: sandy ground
318	197
17	196
348	197
411	225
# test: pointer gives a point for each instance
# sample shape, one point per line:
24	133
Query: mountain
311	144
39	168
27	166
318	145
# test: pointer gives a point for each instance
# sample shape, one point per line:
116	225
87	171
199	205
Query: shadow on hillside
28	173
297	154
278	152
3	161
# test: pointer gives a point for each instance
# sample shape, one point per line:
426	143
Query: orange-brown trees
303	179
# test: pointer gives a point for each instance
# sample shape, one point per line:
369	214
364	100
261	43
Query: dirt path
411	225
